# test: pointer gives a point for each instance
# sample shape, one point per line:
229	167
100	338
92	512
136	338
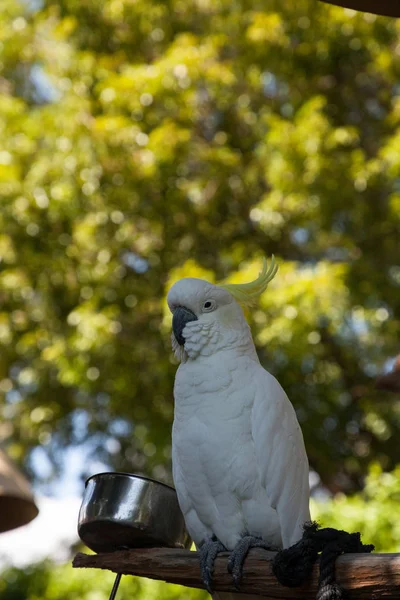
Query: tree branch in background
390	381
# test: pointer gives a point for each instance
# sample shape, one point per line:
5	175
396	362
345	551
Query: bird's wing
198	515
280	455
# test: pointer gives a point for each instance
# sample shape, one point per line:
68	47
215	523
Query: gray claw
209	551
239	553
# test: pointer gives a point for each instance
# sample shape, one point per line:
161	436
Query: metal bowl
124	510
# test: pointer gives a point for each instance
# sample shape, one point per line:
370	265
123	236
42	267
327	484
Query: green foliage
62	582
196	136
372	511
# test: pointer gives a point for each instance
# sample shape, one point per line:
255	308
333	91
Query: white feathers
239	461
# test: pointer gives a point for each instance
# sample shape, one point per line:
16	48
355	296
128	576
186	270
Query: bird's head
208	318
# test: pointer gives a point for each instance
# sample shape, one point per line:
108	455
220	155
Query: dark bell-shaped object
389	8
17	506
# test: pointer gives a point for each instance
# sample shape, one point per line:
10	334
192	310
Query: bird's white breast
215	469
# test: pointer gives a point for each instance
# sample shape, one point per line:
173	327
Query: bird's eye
209	305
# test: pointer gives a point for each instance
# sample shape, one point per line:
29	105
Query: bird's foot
209	551
239	553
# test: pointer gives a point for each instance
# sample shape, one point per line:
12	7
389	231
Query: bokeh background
142	141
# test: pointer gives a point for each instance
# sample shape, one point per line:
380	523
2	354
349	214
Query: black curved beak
182	315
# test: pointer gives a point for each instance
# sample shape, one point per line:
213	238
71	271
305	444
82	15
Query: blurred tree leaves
370	512
146	139
61	582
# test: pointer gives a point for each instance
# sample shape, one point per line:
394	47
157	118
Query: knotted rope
294	565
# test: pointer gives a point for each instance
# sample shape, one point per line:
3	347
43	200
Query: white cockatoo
239	463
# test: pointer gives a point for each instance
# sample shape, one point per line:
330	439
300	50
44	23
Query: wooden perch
364	576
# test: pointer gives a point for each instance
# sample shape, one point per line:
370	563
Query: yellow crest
247	293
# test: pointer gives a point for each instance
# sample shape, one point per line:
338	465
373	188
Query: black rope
294	565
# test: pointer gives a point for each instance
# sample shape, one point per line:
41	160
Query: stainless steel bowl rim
131	476
124	509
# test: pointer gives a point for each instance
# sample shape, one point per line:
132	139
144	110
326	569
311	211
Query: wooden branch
389	8
364	576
